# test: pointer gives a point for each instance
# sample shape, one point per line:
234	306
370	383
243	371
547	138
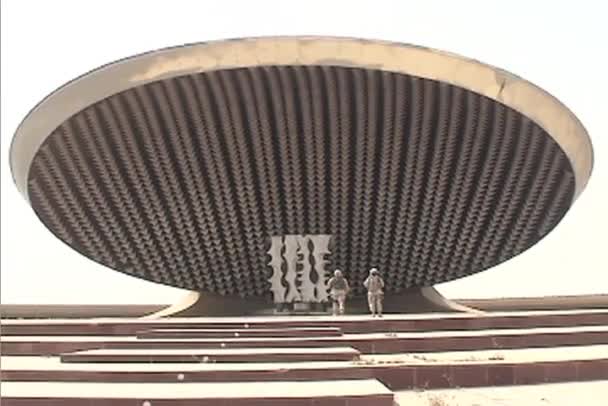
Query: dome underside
184	180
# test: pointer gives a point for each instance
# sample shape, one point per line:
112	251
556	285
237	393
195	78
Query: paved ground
557	394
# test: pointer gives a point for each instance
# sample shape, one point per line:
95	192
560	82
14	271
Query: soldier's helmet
374	271
337	273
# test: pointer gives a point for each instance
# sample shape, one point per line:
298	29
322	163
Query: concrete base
418	300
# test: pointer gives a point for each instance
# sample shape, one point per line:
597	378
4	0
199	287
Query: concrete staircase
350	360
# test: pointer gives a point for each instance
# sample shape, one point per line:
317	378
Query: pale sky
558	45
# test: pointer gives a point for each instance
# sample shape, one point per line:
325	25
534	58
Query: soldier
374	285
338	288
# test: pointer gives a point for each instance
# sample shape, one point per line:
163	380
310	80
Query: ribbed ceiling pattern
183	181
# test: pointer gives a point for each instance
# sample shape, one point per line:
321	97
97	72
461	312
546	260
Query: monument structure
247	170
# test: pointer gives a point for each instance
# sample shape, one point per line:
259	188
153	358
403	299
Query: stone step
348	324
214	355
374	343
396	371
242	332
323	393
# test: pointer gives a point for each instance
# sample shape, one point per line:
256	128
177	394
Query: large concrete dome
179	166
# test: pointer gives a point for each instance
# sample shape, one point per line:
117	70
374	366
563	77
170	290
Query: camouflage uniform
374	285
338	289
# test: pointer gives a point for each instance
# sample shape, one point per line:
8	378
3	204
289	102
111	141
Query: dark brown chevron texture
184	180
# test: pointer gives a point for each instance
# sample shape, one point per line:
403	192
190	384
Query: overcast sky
558	45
